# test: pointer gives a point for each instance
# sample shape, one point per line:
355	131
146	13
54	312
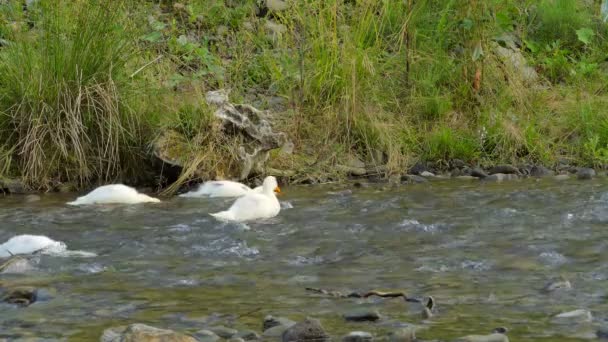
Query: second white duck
114	194
222	188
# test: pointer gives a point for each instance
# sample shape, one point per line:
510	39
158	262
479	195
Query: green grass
85	91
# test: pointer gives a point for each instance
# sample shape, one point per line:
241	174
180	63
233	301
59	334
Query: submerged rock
505	169
414	179
223	332
21	295
557	285
248	335
16	264
361	315
403	335
578	315
143	333
275	332
562	177
270	322
357	336
494	337
478	173
540	171
206	336
307	330
602	333
585	173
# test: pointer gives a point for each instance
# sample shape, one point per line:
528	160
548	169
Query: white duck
253	206
114	193
28	244
222	188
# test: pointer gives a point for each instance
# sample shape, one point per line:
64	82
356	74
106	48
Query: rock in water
270	322
540	171
495	337
499	177
602	333
478	173
309	330
505	169
206	336
579	315
22	295
403	335
557	285
361	315
143	333
223	332
357	336
16	264
585	173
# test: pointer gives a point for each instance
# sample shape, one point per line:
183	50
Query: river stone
579	315
236	339
143	333
479	173
557	285
16	264
307	330
270	322
506	169
21	295
361	315
357	336
403	335
206	336
561	177
275	332
418	168
12	186
414	179
585	173
427	174
457	163
540	171
223	332
495	337
277	5
248	335
602	333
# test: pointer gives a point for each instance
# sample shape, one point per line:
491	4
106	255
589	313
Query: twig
146	65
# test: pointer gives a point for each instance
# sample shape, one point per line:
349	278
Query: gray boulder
308	330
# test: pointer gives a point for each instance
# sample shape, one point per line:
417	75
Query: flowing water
483	251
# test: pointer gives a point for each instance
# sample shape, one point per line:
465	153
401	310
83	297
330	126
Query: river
484	251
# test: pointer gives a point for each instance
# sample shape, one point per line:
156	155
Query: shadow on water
484	251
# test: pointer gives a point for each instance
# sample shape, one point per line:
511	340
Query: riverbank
90	88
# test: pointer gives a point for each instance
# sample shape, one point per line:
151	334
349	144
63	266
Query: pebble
206	336
362	315
403	335
223	332
357	336
307	330
578	315
585	173
505	169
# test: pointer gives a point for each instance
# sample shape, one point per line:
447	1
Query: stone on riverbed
403	335
270	322
16	265
248	335
362	315
223	332
557	285
478	173
578	316
21	295
602	333
143	333
206	336
495	337
307	330
505	169
540	171
585	173
357	336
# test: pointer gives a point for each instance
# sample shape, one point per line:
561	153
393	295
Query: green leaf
153	37
532	46
467	24
478	52
585	35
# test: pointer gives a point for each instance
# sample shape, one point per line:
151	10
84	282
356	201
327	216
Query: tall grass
64	93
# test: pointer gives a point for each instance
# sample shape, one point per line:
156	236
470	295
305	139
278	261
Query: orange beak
277	190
